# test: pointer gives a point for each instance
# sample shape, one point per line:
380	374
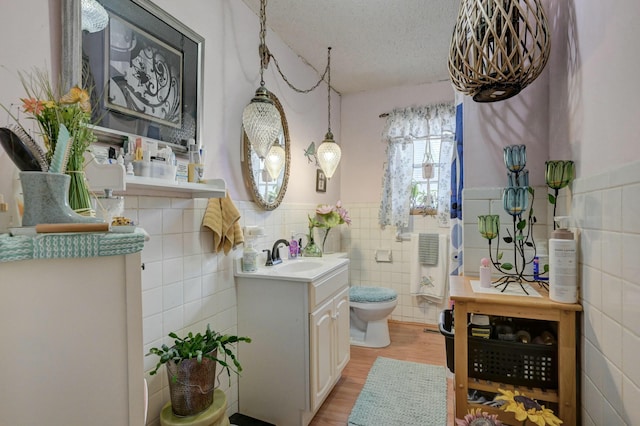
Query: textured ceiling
375	43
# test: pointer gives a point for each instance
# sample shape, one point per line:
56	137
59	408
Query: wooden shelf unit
538	308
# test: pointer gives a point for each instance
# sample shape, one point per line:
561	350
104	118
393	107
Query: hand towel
223	218
428	249
429	282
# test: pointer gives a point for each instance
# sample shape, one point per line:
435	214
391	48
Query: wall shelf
137	185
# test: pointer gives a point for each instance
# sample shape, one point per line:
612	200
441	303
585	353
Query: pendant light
261	119
94	16
329	152
498	47
274	161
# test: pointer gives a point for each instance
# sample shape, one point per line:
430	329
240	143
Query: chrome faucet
275	252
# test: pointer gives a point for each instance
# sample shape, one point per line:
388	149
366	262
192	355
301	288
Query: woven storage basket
498	47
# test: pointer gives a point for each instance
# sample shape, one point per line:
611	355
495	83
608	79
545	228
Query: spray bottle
563	280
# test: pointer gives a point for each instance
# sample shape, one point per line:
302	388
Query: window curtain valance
402	127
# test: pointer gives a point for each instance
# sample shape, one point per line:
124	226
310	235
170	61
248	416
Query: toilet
369	309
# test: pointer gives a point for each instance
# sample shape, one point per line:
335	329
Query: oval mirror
267	186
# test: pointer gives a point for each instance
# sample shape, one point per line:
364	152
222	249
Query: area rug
402	393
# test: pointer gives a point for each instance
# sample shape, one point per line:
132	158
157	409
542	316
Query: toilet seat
360	294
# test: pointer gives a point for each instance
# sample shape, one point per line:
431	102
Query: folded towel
223	218
430	282
428	249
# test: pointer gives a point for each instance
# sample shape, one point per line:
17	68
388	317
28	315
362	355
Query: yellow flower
526	408
79	96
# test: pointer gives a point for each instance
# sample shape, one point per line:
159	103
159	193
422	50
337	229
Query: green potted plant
191	367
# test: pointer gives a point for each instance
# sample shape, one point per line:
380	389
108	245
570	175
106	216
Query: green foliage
552	199
200	346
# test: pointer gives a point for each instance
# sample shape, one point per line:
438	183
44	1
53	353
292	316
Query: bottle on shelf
563	285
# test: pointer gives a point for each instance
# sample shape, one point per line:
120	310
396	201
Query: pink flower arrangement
328	216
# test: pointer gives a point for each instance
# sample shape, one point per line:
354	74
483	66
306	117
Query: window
424	191
409	133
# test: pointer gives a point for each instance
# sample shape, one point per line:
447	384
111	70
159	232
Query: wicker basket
191	385
498	47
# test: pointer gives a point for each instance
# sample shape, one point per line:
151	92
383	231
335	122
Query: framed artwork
144	74
321	181
145	70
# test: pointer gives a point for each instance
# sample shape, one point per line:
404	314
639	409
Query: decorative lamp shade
498	47
515	200
488	226
274	161
518	179
94	17
329	154
261	121
559	174
515	157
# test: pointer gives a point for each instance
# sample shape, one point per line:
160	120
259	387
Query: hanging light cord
265	55
329	89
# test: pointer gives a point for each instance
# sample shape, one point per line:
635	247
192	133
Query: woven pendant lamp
498	47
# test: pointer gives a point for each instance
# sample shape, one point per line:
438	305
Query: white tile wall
606	209
364	237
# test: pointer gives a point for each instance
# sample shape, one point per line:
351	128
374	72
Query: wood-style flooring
409	342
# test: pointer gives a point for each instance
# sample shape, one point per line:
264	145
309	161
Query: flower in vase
50	109
515	200
488	225
515	157
327	216
526	408
479	418
55	113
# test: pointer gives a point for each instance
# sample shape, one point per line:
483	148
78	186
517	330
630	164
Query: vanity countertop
303	269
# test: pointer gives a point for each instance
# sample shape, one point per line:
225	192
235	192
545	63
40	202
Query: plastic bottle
195	168
563	283
293	247
249	257
539	262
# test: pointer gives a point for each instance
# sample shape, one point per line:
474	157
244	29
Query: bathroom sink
303	270
299	266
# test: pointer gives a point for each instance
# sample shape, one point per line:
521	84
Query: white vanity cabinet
329	344
299	326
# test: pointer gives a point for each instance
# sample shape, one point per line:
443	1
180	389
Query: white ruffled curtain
403	126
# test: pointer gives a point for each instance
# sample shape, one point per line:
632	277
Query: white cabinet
329	345
74	329
300	343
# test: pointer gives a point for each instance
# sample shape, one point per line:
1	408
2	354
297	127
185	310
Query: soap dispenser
249	257
563	284
293	247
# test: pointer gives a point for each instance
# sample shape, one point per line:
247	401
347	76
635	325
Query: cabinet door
321	350
343	338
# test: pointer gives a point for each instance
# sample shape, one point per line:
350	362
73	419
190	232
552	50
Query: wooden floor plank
409	342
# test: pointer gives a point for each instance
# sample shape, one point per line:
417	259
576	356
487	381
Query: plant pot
191	385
